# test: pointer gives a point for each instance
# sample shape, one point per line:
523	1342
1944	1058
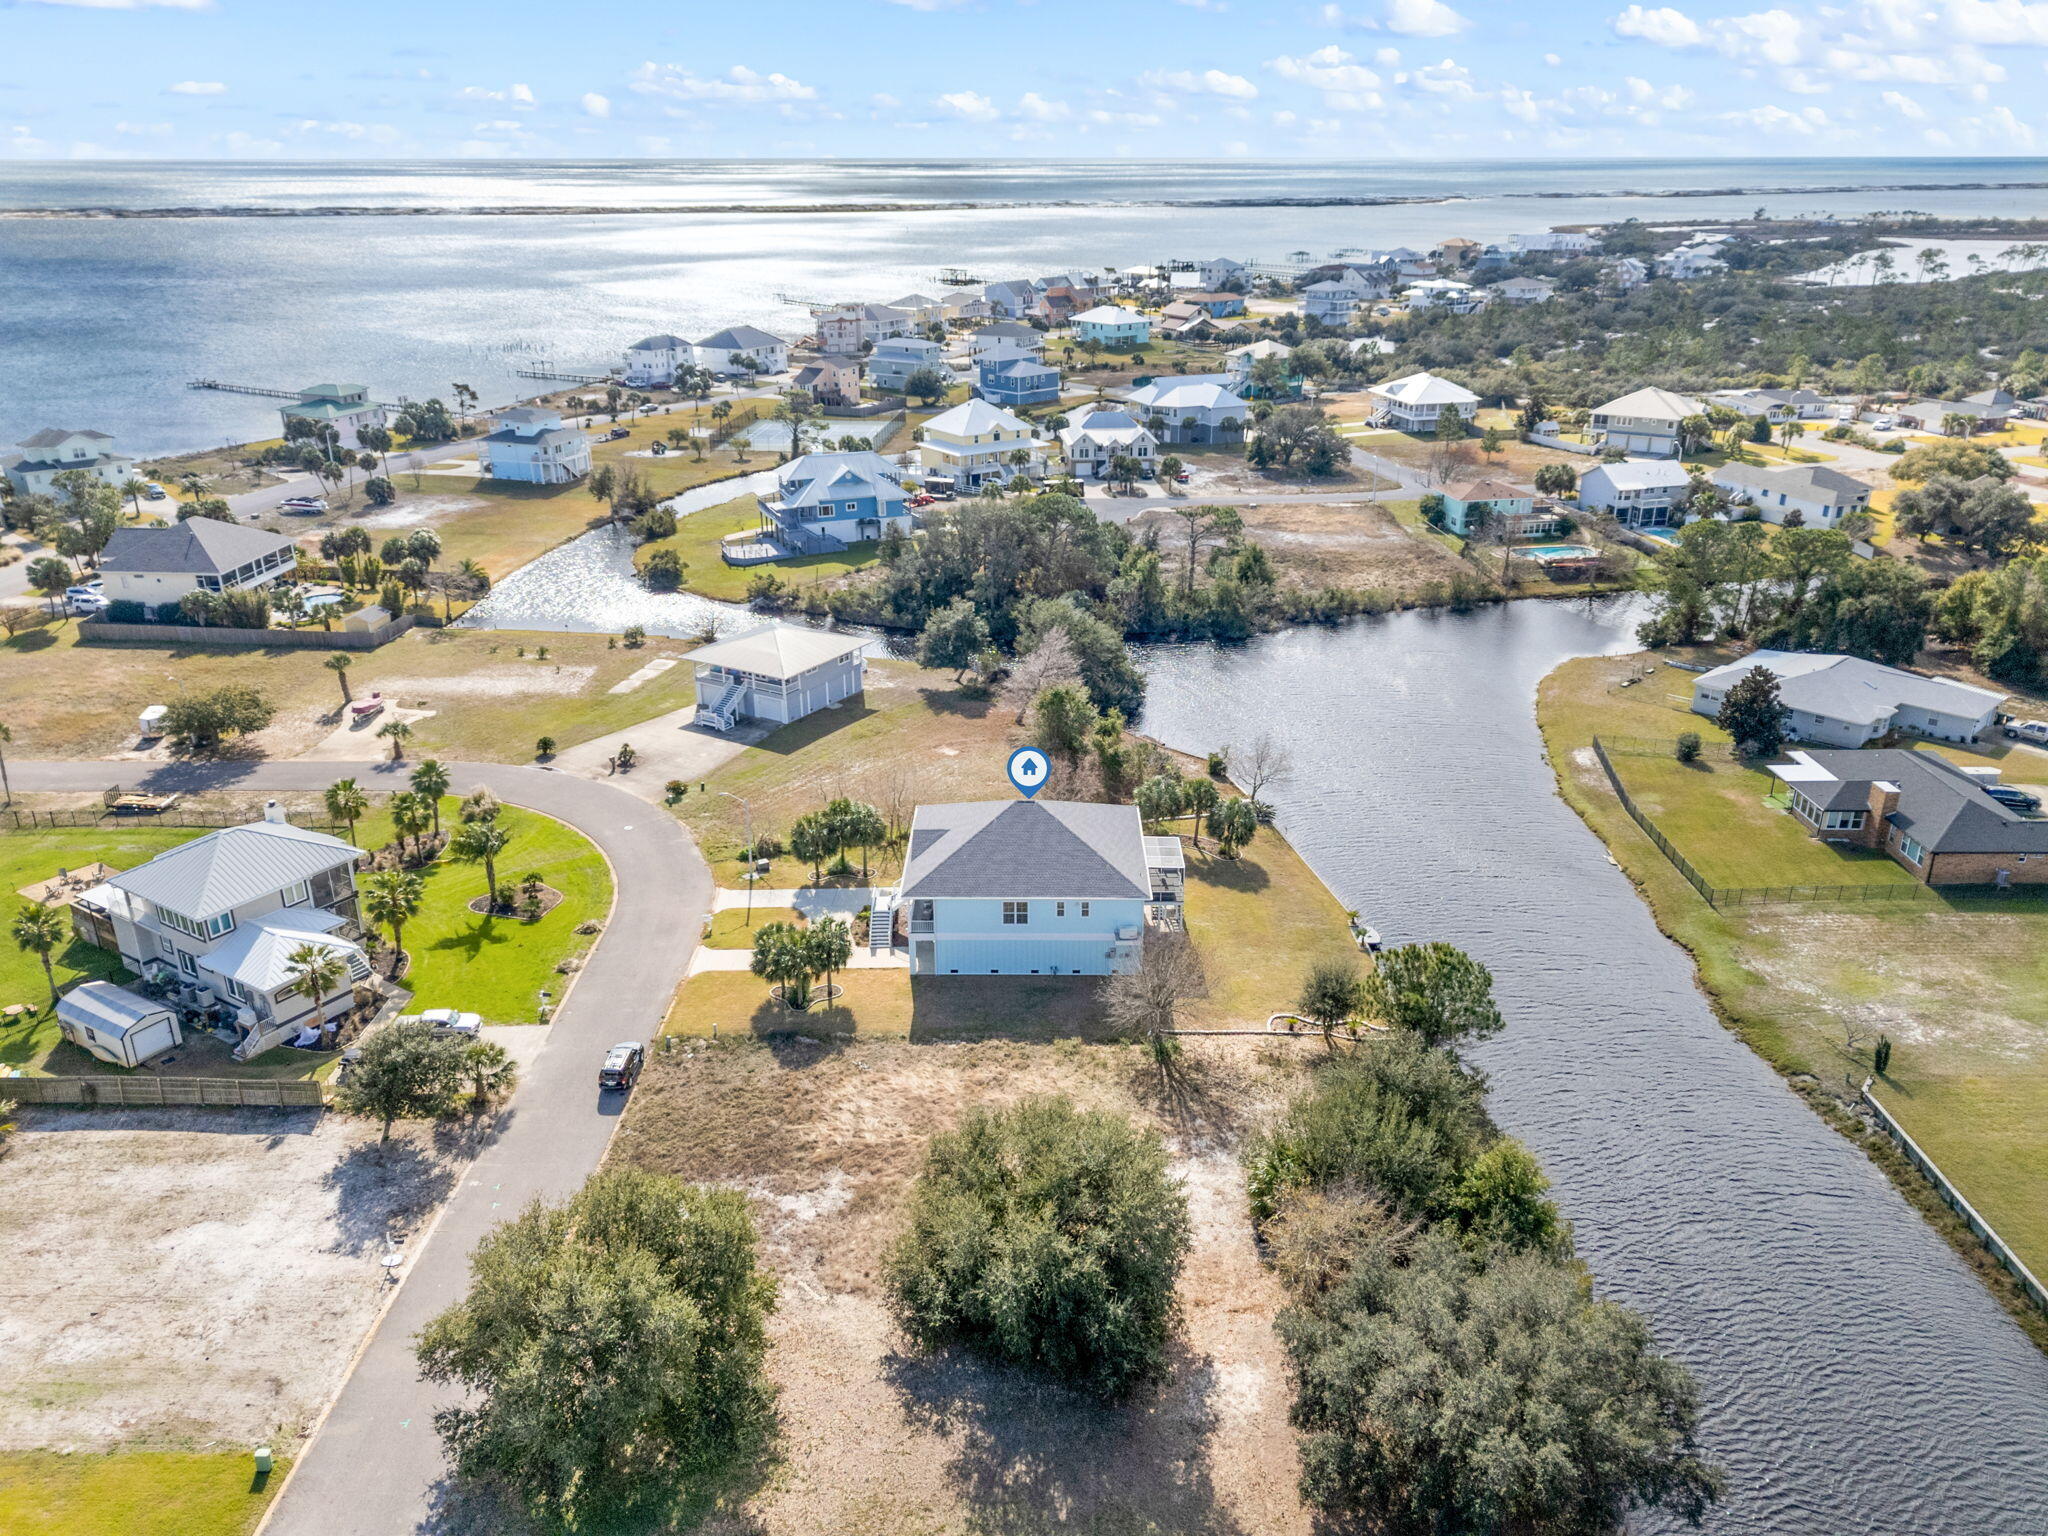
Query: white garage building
117	1025
780	673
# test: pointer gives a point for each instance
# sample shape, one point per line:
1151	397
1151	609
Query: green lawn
132	1493
1713	811
497	966
1409	515
698	536
735	928
27	858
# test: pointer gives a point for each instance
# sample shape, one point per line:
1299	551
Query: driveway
374	1467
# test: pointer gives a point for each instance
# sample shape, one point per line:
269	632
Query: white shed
780	673
117	1025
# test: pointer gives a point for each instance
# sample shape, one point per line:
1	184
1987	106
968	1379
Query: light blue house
1016	380
1113	325
893	361
1033	888
825	501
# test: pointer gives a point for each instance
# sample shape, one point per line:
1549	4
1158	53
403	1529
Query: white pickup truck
2033	732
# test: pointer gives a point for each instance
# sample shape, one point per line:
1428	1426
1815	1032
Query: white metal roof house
1526	290
1113	325
532	444
723	352
1413	402
1032	888
1192	408
1005	336
1845	701
1103	435
1641	493
49	453
654	360
220	917
973	444
780	673
1644	422
157	566
1821	496
347	408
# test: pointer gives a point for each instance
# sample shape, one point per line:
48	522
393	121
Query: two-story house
830	381
157	566
654	360
853	327
1032	888
1112	325
733	349
893	361
49	453
1192	408
1638	493
221	917
1239	362
532	444
1005	336
1644	422
826	501
1820	496
1471	506
977	444
1416	401
1016	379
1221	271
1015	300
778	673
1103	435
1335	300
347	408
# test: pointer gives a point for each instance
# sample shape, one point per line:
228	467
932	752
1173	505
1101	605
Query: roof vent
272	811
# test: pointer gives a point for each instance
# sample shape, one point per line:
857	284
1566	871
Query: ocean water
104	320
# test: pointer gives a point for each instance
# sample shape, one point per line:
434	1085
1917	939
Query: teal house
1113	325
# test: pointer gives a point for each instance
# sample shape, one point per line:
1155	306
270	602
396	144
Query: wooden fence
1953	1198
101	632
265	1093
32	821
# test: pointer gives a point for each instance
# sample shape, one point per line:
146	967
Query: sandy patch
411	510
1354	545
192	1276
646	674
493	682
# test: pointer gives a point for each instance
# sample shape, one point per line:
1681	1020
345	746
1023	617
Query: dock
226	388
563	376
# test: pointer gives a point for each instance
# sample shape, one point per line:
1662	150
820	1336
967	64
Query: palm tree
37	930
431	780
490	1070
411	815
316	970
476	580
393	897
480	842
398	733
346	802
134	490
338	664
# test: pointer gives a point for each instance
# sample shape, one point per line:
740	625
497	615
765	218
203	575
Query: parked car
615	434
151	491
449	1024
920	500
2032	731
349	1058
2013	799
622	1064
1884	423
81	603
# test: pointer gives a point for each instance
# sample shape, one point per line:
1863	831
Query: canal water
1857	1379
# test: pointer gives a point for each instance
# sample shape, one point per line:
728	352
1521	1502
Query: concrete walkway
374	1467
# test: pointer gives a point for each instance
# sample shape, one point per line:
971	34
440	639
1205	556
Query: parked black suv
622	1064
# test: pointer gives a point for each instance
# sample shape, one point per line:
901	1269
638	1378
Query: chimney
272	811
1884	799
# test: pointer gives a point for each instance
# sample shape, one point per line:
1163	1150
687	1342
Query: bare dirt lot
877	1439
182	1277
1347	545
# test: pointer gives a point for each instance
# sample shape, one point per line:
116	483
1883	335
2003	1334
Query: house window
1059	909
186	963
1084	908
1845	821
1016	912
296	894
1913	852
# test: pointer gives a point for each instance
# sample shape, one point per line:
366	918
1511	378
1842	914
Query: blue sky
1375	79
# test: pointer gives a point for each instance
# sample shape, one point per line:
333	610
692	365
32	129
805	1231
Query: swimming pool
322	599
1661	535
1549	552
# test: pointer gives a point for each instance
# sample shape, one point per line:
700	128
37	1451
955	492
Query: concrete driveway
374	1467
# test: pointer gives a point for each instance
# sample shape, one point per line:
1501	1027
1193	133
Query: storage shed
117	1025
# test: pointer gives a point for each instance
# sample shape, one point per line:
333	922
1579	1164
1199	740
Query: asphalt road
374	1467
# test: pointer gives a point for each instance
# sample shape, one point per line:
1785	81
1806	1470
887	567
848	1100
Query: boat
1368	937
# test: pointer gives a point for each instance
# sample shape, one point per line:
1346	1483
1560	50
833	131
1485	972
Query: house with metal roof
826	501
1645	422
1414	402
1809	495
158	566
1016	379
1005	337
1930	815
219	919
729	351
1113	325
533	444
1032	888
1639	493
977	443
49	453
655	360
896	359
779	673
1192	408
347	408
1099	437
1845	701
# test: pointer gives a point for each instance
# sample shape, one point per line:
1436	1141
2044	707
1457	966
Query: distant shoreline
579	210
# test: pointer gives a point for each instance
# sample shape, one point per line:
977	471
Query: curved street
374	1466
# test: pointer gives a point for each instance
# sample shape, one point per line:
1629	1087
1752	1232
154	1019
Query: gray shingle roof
225	869
1940	806
740	338
1017	849
50	437
1802	482
201	546
1851	688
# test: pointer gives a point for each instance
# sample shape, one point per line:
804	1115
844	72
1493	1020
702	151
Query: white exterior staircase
882	920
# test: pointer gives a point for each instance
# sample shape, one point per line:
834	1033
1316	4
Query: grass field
133	1493
28	858
1959	984
735	927
696	542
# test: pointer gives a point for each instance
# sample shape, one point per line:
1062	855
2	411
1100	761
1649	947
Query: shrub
663	571
1045	1236
1687	749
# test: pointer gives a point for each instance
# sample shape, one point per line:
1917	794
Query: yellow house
975	444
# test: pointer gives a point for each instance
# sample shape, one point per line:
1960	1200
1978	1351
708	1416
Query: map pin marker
1028	770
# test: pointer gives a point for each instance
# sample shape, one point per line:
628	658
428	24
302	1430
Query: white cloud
1997	22
737	84
1039	109
1387	58
1904	105
972	105
1664	27
595	105
1424	18
1347	85
518	96
1777	120
372	133
929	5
1203	5
1552	60
129	5
1672	98
1237	147
1449	78
198	88
1210	82
885	101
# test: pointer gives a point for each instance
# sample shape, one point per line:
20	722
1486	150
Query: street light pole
748	812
